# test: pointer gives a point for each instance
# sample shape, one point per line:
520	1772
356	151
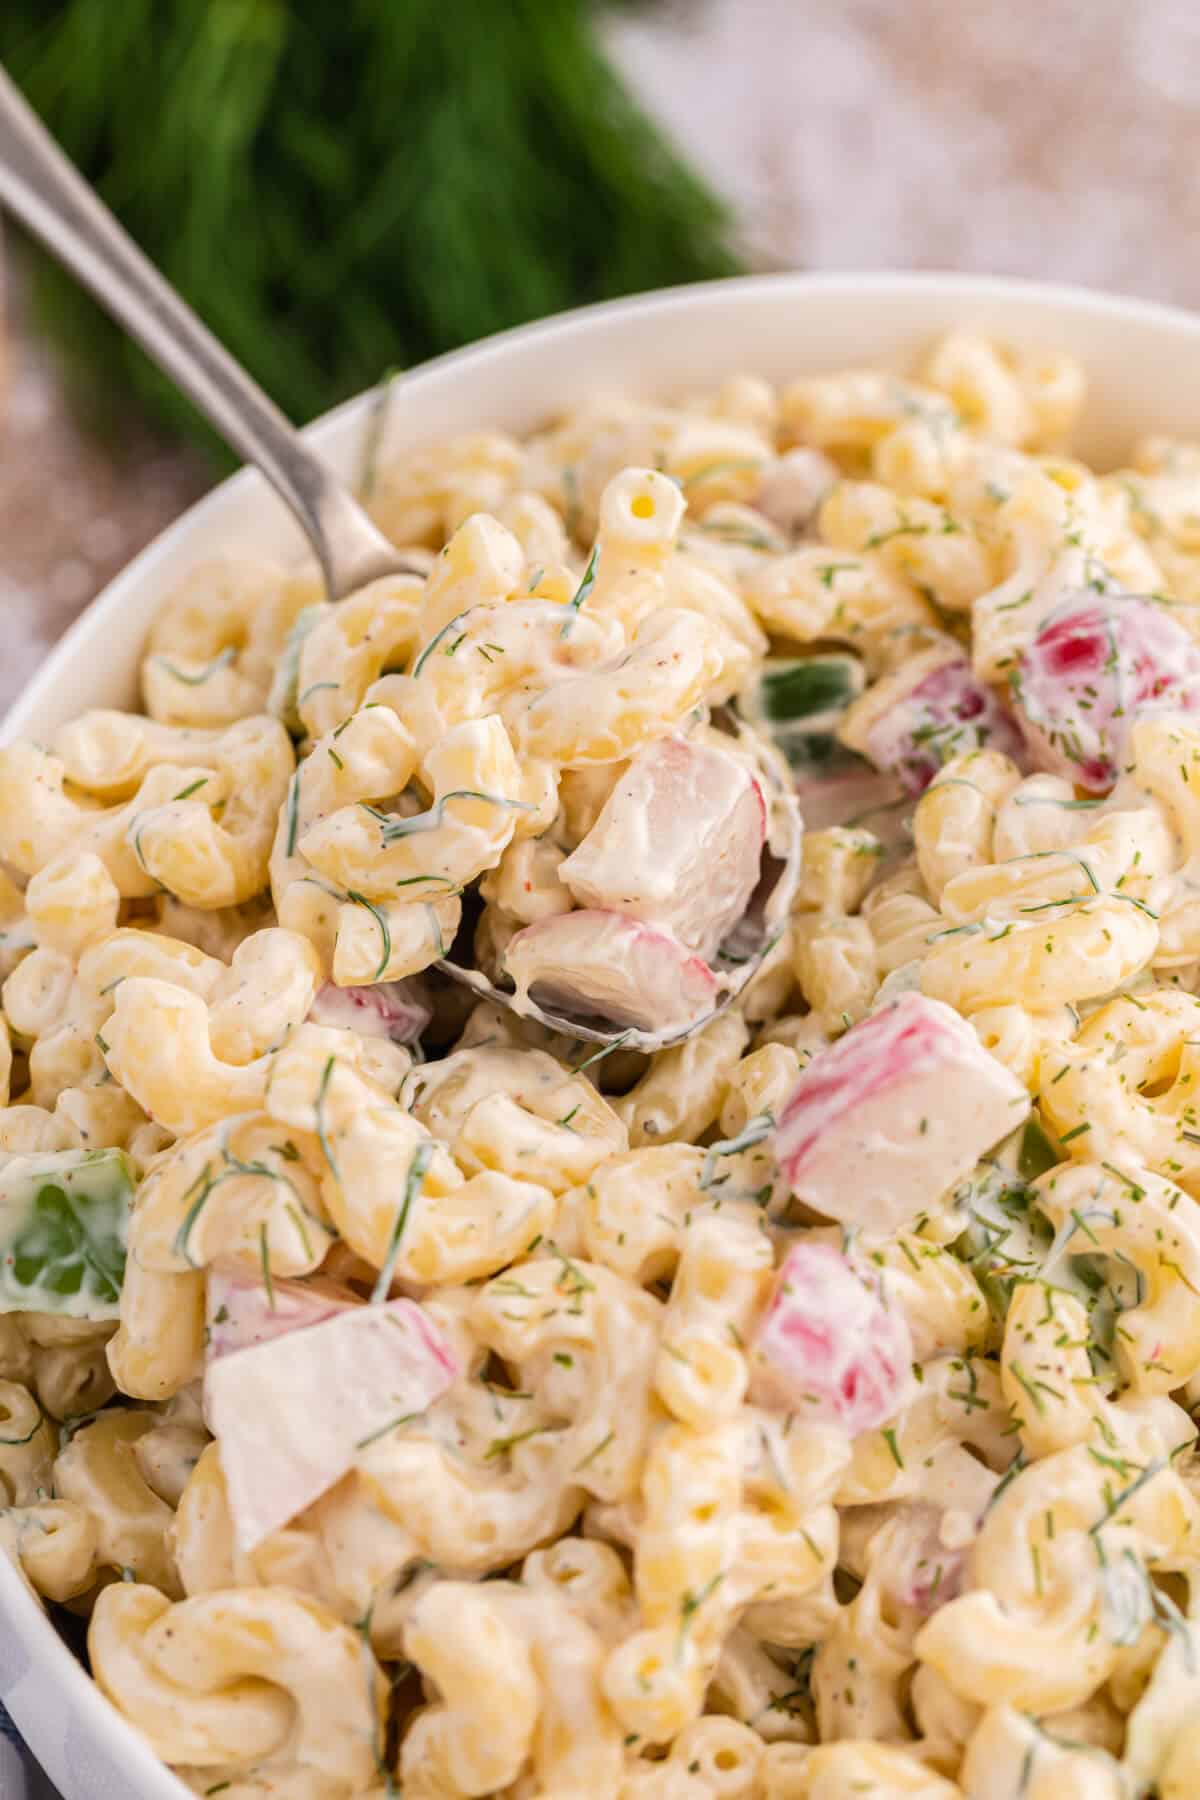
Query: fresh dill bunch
342	188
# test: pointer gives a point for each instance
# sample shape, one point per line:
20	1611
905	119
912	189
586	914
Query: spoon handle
52	200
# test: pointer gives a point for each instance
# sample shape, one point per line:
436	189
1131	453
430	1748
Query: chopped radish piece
902	1107
612	967
793	487
1098	663
930	709
240	1311
390	1009
291	1412
829	1348
678	843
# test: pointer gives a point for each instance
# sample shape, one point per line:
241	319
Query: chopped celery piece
812	689
64	1219
285	686
798	702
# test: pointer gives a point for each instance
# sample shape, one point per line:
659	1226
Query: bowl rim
77	1695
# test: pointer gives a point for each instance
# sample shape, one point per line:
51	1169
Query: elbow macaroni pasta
606	1560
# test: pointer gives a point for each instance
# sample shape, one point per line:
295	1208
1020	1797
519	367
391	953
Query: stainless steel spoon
41	188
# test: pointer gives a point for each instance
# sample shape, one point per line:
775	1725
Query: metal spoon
44	190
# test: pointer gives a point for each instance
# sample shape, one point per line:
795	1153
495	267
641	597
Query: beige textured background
1057	138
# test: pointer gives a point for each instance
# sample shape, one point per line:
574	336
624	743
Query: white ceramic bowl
1143	363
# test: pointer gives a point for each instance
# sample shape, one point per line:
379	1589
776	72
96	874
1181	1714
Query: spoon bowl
745	948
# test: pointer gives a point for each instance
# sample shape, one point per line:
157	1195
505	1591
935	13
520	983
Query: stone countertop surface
1026	137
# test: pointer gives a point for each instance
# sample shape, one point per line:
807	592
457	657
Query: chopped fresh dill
293	812
392	1424
322	1138
604	1050
889	1438
581	592
393	829
1153	1468
264	1257
202	675
413	1182
385	933
431	646
753	1132
192	788
593	1454
690	1605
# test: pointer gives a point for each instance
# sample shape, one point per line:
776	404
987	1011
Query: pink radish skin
1099	663
678	844
614	967
948	712
387	1010
240	1313
829	1350
882	1123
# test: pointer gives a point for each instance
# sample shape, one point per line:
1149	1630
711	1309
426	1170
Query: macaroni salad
415	1400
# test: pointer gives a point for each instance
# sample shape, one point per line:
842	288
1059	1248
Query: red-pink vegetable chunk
291	1411
241	1312
947	712
882	1123
829	1349
612	967
389	1009
1099	663
678	844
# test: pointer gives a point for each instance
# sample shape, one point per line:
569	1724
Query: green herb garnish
581	592
417	1168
